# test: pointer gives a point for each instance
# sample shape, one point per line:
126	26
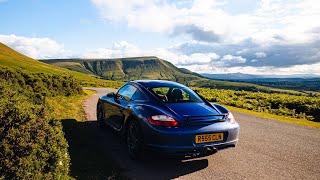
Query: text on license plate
203	138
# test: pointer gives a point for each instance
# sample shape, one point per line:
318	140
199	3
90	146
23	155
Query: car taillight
231	118
163	120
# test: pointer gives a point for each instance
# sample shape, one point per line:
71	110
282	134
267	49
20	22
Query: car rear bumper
181	141
190	151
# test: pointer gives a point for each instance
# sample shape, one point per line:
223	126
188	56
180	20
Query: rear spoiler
208	103
211	118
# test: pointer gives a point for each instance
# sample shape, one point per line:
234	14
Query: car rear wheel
100	122
134	140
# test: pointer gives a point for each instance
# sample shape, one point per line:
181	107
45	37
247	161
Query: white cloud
118	50
237	59
261	55
34	47
182	59
288	19
201	62
299	69
204	62
125	49
276	35
142	14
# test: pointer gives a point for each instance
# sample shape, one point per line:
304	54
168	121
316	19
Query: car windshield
170	94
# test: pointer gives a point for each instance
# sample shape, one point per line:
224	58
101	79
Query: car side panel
110	112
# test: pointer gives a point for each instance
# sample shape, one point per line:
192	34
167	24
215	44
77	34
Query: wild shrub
44	84
32	144
306	107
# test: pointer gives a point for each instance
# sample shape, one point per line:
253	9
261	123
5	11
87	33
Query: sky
265	37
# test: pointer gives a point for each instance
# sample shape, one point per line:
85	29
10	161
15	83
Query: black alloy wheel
134	140
100	122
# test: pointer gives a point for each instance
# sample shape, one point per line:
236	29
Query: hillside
12	59
126	69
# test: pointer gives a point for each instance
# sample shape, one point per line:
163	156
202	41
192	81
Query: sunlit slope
12	59
125	68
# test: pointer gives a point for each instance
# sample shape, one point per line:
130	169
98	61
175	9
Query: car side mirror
111	94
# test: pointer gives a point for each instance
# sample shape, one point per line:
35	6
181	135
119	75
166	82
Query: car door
110	111
123	100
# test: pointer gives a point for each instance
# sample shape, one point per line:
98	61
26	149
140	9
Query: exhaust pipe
208	150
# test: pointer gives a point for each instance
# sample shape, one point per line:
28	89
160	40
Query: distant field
283	118
310	85
302	109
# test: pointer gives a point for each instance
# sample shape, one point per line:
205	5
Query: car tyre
134	140
100	122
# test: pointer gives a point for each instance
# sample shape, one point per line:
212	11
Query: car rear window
175	94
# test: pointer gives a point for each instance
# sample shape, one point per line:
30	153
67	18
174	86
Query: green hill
12	59
126	69
150	67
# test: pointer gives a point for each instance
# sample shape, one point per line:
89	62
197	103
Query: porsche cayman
168	118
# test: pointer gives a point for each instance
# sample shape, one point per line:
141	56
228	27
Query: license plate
203	138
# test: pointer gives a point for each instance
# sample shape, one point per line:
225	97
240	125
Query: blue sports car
167	117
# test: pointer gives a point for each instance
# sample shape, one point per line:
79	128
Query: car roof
157	83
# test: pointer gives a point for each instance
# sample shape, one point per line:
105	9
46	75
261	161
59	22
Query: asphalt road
267	149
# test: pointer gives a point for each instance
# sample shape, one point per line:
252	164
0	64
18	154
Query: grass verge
69	107
89	155
303	122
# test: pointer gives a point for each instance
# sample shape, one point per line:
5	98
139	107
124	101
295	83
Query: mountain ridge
151	67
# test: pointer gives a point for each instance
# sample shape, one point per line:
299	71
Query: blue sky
75	23
206	36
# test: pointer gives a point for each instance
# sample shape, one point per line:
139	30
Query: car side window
126	92
138	96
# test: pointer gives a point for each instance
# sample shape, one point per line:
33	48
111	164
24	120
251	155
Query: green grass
90	158
69	107
303	122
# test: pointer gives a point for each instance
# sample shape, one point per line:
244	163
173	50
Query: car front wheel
100	122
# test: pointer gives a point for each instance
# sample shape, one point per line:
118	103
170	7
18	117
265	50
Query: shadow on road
100	153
